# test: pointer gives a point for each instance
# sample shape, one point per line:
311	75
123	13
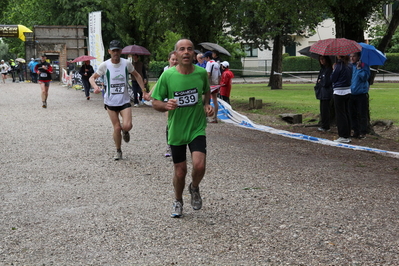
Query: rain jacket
360	77
323	88
341	76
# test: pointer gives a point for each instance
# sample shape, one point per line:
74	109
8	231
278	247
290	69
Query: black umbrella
214	47
306	51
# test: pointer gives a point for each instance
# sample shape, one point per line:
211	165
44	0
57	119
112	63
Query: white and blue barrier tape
228	115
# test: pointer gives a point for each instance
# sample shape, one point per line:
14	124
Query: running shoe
136	105
196	201
323	129
118	156
126	136
343	140
44	105
177	209
168	153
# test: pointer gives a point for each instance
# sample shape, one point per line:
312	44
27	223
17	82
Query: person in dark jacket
359	100
341	79
137	91
324	92
86	71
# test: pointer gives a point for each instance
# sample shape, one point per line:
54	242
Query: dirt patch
385	137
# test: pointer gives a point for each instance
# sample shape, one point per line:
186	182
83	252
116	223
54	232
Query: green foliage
236	67
392	63
156	67
166	46
234	49
3	50
300	63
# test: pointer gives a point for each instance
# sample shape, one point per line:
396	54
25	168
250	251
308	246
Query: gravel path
268	200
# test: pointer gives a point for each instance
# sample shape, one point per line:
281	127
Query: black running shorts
179	152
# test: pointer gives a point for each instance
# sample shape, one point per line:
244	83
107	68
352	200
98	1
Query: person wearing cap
225	82
116	96
31	66
4	70
201	61
213	69
186	87
44	71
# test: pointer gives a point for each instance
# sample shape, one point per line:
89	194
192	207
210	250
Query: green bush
156	67
236	67
392	63
300	63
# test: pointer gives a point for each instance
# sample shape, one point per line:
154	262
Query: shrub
300	63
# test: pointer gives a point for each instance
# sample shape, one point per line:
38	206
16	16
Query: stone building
59	43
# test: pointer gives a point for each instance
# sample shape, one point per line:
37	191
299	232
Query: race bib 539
187	97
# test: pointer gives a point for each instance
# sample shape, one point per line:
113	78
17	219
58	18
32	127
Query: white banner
96	46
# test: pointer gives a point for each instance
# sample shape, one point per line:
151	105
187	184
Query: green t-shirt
188	121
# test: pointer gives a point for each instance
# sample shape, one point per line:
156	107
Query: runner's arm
92	81
207	106
140	81
162	106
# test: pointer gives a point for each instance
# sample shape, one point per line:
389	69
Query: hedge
290	63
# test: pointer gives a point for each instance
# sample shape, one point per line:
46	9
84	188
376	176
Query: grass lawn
300	98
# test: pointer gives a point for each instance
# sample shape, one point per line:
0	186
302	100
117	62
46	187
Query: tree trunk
393	24
276	78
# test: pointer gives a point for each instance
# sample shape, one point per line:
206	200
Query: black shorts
179	152
117	108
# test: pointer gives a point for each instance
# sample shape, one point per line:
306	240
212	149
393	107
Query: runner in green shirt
184	87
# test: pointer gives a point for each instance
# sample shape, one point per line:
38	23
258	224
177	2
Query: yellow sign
13	31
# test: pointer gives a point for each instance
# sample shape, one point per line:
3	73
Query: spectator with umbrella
137	50
324	92
359	99
341	79
137	92
86	71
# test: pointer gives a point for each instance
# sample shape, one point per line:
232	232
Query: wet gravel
268	200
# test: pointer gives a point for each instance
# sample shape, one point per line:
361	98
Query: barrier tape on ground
228	115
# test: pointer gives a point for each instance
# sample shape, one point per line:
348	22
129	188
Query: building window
250	51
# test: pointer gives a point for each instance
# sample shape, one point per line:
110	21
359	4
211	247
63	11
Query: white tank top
116	80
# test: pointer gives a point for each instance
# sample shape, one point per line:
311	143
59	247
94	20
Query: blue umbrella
371	56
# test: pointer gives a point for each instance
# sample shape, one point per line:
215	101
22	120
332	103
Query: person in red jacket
225	82
44	71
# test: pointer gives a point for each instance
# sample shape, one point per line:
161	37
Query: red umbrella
83	58
135	49
332	46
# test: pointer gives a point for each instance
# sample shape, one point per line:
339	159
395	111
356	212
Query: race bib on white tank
118	88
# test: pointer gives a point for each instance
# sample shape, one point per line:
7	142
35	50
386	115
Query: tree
260	22
352	17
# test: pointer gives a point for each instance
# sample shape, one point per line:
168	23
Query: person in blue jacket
359	99
341	79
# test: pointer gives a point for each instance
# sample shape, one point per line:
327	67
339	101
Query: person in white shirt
213	69
116	96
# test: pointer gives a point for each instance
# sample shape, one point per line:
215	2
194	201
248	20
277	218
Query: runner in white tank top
116	98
